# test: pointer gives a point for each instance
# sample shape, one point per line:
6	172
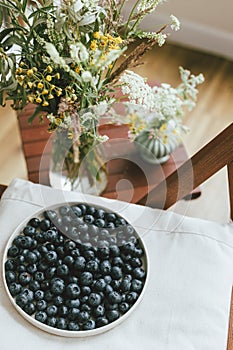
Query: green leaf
37	110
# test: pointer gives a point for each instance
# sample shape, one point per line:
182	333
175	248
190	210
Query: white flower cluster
146	5
166	101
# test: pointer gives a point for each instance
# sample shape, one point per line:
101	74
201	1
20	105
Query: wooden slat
193	172
230	181
230	329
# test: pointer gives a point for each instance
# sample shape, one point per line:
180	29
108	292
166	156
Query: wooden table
130	178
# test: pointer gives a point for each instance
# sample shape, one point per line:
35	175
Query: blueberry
100	222
39	294
76	210
72	279
125	285
75	253
68	260
10	276
86	278
110	225
61	323
83	208
112	315
136	286
116	284
83	317
51	257
13	251
30	308
21	268
94	299
138	252
51	235
100	285
58	300
131	297
63	270
29	230
127	268
45	285
73	326
105	267
31	268
89	219
92	266
45	224
79	263
73	313
31	258
34	285
24	278
73	290
101	321
51	310
57	286
124	307
15	288
39	276
85	290
111	217
89	325
60	251
64	210
116	272
89	254
93	231
108	288
21	300
41	305
117	261
98	311
10	265
34	222
136	262
28	293
63	310
120	222
41	316
139	273
114	297
51	321
48	295
50	214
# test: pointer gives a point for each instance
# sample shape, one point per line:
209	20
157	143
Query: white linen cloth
187	302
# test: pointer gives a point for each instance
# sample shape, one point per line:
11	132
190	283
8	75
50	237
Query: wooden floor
214	111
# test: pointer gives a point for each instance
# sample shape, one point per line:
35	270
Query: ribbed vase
153	150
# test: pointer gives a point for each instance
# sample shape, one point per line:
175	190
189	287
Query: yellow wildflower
58	121
57	75
40	85
19	71
77	70
59	92
93	45
52	87
45	104
49	69
48	77
30	98
30	84
50	97
96	35
45	92
22	64
163	127
118	40
34	69
30	72
38	100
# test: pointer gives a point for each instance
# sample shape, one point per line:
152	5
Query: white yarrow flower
175	25
86	76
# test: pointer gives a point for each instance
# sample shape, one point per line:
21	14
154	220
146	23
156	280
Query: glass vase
86	173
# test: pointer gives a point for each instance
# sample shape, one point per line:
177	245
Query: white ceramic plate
68	333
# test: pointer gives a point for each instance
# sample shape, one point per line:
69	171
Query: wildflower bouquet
67	56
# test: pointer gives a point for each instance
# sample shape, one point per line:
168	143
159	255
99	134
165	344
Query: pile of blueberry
76	267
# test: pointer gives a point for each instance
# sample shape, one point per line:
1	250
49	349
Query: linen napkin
187	301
